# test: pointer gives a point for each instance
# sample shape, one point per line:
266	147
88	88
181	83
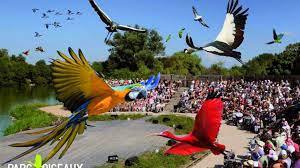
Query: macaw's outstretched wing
126	87
150	84
76	82
208	119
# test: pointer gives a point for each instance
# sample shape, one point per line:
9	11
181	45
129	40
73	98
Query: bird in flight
111	25
231	35
78	13
276	37
69	18
199	18
37	34
40	49
180	33
56	24
35	10
168	38
70	12
205	132
45	16
47	25
50	11
26	52
58	13
85	94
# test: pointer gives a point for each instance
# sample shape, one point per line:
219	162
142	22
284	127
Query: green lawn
157	160
29	116
108	117
186	122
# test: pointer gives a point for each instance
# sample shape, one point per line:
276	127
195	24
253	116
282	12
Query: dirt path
234	139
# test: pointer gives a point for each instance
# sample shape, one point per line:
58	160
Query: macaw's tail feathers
64	133
184	149
218	149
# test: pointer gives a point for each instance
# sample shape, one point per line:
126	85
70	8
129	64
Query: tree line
138	55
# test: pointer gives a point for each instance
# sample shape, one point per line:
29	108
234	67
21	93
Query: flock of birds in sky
48	15
230	37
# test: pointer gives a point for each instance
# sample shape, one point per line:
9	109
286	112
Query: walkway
123	138
234	139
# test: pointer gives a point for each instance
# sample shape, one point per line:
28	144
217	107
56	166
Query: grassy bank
108	117
186	122
159	160
29	116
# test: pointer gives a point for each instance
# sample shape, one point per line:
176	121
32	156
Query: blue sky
18	24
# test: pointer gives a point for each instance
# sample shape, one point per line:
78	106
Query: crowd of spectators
258	106
155	101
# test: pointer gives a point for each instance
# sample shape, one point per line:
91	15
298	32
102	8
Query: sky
18	24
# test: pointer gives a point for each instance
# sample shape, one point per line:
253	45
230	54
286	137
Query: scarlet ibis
231	35
111	25
206	129
199	18
276	38
26	52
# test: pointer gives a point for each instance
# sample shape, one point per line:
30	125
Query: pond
10	97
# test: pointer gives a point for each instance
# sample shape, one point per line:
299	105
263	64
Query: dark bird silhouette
58	13
39	49
199	18
50	11
69	18
26	52
37	34
35	10
111	25
231	35
45	16
70	12
276	38
205	132
56	24
47	25
78	13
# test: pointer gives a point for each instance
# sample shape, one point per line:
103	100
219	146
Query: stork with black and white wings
111	26
231	35
199	18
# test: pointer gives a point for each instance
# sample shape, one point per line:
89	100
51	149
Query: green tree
182	64
131	49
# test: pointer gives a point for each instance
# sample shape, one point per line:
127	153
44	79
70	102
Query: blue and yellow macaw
85	94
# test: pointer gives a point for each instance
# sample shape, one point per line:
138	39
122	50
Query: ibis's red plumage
206	129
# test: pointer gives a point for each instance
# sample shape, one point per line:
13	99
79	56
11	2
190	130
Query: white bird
231	35
199	18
